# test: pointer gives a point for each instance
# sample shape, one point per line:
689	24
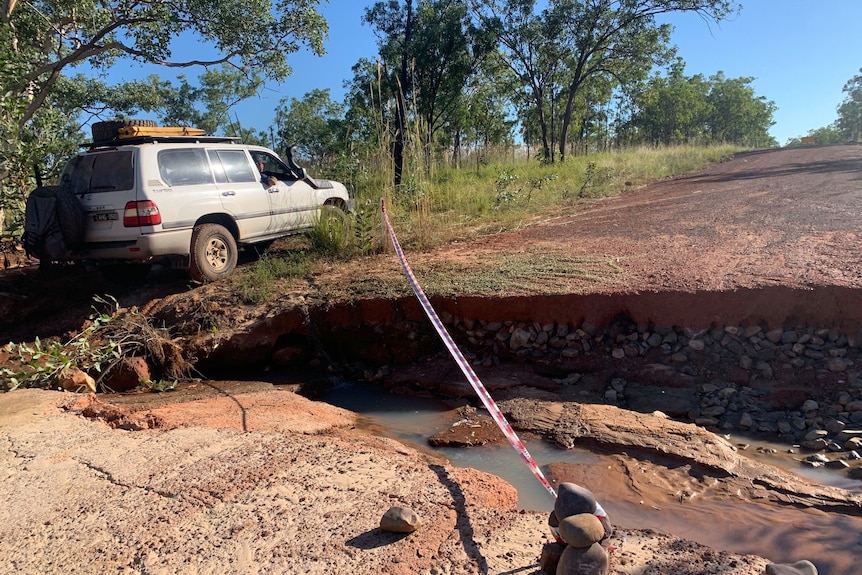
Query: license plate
105	217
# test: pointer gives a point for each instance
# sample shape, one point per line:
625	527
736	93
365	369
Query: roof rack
163	139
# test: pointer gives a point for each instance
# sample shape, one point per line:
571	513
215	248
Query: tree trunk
401	100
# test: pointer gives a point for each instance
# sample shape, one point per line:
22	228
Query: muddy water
782	534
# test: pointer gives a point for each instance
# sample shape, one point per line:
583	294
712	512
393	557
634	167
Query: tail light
138	214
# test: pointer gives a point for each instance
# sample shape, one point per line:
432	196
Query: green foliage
825	135
315	125
331	233
111	335
260	284
205	104
367	226
572	47
159	386
40	362
694	110
849	122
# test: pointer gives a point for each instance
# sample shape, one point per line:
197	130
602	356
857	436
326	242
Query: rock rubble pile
801	385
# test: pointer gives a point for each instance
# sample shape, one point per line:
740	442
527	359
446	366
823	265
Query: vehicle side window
235	165
218	168
275	167
107	172
184	167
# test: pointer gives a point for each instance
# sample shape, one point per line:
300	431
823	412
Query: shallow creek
782	534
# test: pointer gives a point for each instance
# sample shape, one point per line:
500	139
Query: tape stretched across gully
471	376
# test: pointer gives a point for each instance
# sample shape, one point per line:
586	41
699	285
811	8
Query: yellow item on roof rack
138	131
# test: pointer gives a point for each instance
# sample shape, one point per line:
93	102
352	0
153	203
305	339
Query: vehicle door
190	191
292	200
242	194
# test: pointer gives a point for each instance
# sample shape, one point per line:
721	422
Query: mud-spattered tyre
213	253
107	131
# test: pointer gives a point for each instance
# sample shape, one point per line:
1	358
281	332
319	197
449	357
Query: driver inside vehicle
267	180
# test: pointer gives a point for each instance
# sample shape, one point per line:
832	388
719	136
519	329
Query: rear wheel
213	253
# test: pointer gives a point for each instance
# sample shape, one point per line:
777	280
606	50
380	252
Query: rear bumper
142	248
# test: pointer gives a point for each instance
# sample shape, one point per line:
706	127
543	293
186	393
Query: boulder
127	374
400	520
590	561
74	380
581	530
572	499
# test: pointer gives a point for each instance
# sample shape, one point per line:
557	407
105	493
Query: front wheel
213	253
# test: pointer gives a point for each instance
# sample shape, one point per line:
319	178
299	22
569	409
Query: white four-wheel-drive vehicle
141	193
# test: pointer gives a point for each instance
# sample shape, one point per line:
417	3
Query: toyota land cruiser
157	194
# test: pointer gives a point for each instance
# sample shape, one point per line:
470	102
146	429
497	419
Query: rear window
104	172
184	167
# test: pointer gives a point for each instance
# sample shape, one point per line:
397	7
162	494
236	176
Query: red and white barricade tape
471	376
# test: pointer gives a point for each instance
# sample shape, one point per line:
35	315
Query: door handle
229	193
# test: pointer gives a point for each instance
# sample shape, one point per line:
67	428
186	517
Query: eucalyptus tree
427	54
315	125
737	115
528	44
571	41
43	42
849	121
673	109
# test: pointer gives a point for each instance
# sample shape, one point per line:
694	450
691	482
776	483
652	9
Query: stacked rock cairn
579	525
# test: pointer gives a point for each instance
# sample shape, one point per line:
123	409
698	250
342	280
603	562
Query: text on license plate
105	216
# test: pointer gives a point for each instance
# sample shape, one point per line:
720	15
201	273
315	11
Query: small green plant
505	196
159	386
367	226
331	232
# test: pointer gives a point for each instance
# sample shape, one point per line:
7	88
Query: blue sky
799	52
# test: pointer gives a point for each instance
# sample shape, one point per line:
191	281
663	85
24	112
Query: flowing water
783	534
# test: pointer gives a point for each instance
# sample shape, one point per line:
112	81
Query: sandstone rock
127	374
572	499
590	561
400	520
816	434
815	444
581	530
74	380
798	568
